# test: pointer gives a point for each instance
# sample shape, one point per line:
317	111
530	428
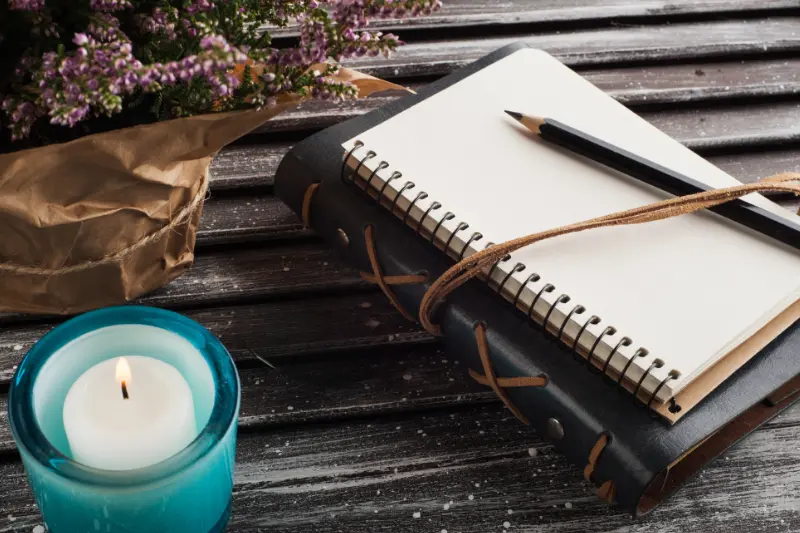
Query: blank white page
687	289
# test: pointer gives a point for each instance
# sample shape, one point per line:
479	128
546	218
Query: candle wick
124	391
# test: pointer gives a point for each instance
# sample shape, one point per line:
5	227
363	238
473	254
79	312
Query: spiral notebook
657	307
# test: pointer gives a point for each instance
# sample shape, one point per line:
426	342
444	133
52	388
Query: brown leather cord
475	264
490	379
606	490
377	275
384	281
305	213
409	279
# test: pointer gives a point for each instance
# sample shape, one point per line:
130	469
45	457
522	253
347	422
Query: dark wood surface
364	420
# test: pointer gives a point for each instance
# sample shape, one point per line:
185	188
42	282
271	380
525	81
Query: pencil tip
514	115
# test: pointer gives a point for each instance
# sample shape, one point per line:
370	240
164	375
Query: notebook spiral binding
381	198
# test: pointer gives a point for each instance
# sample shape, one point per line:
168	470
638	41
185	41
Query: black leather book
594	414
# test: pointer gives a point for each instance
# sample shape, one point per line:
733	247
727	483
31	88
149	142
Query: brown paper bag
106	218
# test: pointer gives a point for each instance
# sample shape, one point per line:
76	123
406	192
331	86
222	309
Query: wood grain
238	274
698	82
357	384
585	48
373	474
282	329
504	13
249	216
238	166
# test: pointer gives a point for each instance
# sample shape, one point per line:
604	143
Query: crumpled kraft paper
106	218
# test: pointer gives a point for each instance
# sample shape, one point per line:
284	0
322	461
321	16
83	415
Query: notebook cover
642	457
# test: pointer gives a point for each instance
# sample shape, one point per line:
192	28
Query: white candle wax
110	431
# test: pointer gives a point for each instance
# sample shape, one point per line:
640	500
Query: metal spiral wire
591	361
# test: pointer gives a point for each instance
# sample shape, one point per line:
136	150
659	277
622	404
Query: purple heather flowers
181	57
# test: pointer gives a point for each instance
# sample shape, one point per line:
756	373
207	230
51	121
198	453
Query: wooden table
364	423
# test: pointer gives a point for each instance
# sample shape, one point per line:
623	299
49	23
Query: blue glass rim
29	436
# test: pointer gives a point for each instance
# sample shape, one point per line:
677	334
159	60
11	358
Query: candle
170	366
128	412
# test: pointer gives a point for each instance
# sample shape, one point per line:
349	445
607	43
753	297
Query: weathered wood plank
247	217
272	330
234	274
358	384
378	472
465	13
246	164
747	167
596	47
734	127
666	84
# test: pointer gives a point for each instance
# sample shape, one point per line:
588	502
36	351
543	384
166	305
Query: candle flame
123	371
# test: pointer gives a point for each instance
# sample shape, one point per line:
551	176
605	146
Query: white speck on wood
407	377
471	497
506	524
17	347
38	529
533	452
568	505
417	515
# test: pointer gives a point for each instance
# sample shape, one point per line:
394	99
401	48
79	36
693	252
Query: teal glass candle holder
189	491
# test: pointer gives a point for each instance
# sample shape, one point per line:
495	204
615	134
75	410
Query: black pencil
745	213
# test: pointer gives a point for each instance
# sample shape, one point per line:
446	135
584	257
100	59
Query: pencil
754	217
